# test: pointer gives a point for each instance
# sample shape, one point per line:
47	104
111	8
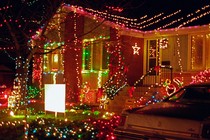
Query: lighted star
136	49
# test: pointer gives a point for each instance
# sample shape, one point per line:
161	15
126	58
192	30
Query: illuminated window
197	52
87	56
95	56
55	58
55	61
52	60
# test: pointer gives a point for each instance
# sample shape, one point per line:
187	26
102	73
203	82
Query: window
95	55
52	61
197	52
152	55
193	94
199	94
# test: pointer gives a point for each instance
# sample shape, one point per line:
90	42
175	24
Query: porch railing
114	84
155	75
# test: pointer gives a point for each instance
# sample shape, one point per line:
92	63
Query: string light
7	48
179	57
196	17
144	22
136	49
12	58
76	52
97	125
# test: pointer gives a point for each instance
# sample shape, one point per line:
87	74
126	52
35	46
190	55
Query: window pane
105	61
198	94
152	56
197	52
46	63
152	49
55	62
96	55
87	55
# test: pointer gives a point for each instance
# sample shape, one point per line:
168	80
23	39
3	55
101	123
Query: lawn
78	123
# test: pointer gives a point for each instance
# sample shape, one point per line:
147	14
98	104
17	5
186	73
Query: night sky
7	60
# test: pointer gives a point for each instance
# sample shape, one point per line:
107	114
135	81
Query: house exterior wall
74	28
134	62
95	77
207	42
183	49
93	29
176	54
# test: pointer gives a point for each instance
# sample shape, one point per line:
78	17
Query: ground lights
42	128
62	129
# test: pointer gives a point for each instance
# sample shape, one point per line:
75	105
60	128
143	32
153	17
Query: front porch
144	94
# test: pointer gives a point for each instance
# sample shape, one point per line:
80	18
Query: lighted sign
55	97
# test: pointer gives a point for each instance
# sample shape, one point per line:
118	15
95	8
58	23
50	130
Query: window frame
156	58
101	42
195	68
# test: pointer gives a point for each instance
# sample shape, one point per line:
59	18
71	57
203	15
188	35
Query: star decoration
152	52
136	49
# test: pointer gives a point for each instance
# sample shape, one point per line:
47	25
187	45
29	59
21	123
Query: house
98	59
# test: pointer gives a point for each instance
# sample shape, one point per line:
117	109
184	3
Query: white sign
55	95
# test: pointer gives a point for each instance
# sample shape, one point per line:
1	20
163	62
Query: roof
147	15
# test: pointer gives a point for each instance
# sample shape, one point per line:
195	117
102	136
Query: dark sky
7	60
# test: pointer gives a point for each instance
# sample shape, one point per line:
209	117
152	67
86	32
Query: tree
24	24
19	21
